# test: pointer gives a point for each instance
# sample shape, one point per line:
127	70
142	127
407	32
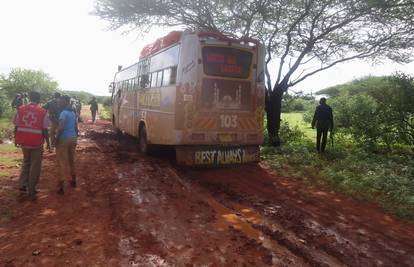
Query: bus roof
175	36
161	43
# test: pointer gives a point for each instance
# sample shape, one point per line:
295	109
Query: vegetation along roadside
369	159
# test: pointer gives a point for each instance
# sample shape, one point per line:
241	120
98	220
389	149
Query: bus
200	92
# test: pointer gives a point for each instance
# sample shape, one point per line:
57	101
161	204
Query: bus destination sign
226	61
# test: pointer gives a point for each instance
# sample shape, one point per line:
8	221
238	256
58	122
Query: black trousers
321	132
93	115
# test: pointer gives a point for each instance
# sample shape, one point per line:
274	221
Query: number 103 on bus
228	121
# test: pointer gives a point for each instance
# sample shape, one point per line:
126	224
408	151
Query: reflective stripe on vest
29	130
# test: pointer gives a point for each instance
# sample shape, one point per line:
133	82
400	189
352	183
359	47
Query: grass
105	113
5	123
4	174
296	119
6	128
385	178
7	148
6	158
9	161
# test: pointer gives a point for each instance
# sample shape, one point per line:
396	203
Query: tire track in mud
166	171
291	220
170	216
167	224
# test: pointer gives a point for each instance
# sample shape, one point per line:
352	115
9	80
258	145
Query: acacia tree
304	37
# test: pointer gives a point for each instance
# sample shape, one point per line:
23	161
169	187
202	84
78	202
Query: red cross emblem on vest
29	119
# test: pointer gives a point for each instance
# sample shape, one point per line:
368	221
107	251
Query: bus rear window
226	62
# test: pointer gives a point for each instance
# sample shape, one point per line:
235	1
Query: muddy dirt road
131	210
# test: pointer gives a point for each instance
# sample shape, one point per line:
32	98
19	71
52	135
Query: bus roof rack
175	36
161	43
221	37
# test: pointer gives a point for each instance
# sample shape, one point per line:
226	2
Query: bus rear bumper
216	155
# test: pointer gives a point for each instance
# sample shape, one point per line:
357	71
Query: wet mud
135	210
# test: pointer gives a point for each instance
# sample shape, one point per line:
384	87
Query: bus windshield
226	62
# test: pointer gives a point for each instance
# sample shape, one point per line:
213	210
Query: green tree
378	113
83	96
4	104
305	37
25	80
397	106
297	102
357	86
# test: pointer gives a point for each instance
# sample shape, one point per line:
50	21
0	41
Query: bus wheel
143	141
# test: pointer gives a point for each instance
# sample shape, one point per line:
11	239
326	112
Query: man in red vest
31	123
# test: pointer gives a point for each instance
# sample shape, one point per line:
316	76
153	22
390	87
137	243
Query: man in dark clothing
54	108
25	98
323	119
78	105
17	101
94	108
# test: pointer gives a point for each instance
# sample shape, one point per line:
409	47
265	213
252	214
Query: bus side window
144	81
153	79
173	75
119	88
166	77
159	79
139	82
136	83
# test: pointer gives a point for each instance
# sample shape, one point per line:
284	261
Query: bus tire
144	148
118	132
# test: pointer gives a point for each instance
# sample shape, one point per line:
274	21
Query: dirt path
131	210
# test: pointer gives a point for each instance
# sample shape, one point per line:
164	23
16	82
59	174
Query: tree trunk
273	114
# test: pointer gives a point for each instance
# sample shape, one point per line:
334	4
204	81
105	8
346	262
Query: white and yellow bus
201	92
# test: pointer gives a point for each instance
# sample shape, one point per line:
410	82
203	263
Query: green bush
5	106
105	112
290	134
287	133
377	116
308	114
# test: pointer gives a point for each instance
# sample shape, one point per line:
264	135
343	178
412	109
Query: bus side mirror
111	87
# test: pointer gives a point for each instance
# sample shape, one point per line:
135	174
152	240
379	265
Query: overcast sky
75	48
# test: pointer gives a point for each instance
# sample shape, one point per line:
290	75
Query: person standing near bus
66	137
54	109
323	119
78	105
31	123
94	108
